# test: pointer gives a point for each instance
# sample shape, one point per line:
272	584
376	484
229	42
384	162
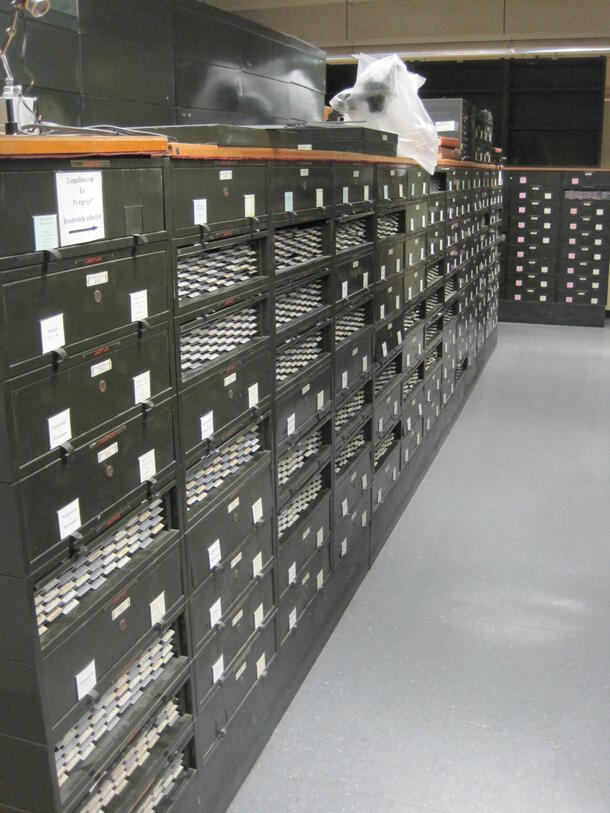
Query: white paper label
346	194
259	615
215	613
344	508
141	387
306	147
200	211
261	666
320	537
230	379
101	367
237	618
291	424
401	193
386	191
99	278
253	398
80	205
292	573
344	290
288	202
319	198
218	669
225	175
320	579
365	363
366	192
257	511
445	126
249	205
138	303
382	272
45	232
121	608
292	618
381	311
384	348
85	680
68	519
108	452
365	279
214	554
343	547
233	505
52	333
306	389
60	428
148	466
380	425
257	565
207	425
157	609
304	173
344	379
320	400
236	560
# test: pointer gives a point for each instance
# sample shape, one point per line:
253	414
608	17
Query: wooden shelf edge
60	146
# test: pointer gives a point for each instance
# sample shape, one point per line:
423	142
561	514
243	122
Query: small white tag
236	560
365	363
99	278
292	618
233	505
366	192
346	194
292	573
344	379
306	389
249	205
320	579
304	173
257	565
45	232
257	510
384	348
121	608
320	537
401	193
101	367
237	618
288	202
386	191
157	609
200	211
320	400
230	379
343	547
344	508
52	333
291	424
138	303
259	615
365	482
68	518
214	554
148	466
207	425
261	666
399	336
215	613
319	198
253	398
225	175
380	425
218	669
85	680
397	302
141	387
381	311
344	290
60	428
305	147
364	518
382	272
108	452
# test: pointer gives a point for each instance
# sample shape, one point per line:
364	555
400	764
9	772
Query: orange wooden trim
26	146
212	152
557	169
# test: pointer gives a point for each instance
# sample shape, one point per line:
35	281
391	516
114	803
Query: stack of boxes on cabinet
205	414
558	250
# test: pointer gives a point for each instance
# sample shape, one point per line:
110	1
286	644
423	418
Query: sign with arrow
80	205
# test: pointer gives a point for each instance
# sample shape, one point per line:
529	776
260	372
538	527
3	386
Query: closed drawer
298	545
309	581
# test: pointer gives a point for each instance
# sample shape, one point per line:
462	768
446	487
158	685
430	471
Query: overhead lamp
15	108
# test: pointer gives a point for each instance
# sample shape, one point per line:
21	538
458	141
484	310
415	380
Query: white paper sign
291	424
366	192
80	205
344	547
60	429
292	573
68	518
344	508
214	554
365	279
207	425
261	666
257	511
147	465
346	194
320	537
257	565
249	205
45	232
320	198
101	367
141	387
138	305
85	680
344	290
320	400
253	398
108	452
218	669
320	579
99	278
157	609
259	615
292	618
215	613
288	202
344	379
52	333
200	211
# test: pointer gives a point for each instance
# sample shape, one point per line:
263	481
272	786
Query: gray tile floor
471	672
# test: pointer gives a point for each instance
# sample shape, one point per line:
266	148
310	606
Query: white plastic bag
385	98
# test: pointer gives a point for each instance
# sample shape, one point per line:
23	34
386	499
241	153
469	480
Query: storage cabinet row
212	377
557	231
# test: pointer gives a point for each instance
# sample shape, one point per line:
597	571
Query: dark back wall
147	62
546	111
